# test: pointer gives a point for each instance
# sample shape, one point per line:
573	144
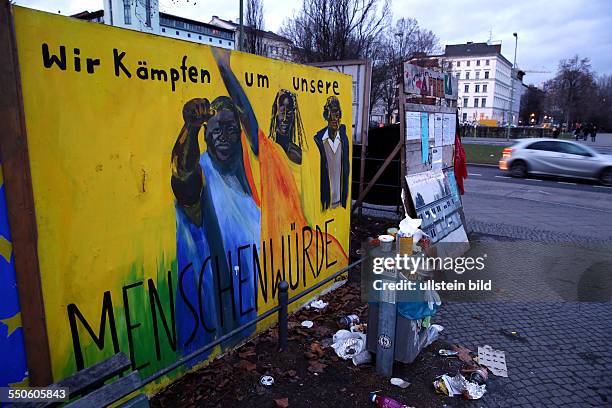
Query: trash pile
351	344
475	368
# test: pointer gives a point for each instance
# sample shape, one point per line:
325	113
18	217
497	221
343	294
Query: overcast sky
548	30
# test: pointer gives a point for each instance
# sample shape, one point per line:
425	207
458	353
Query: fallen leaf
463	353
310	356
282	402
316	348
247	365
248	353
316	367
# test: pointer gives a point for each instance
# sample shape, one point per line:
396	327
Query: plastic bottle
348	321
386	402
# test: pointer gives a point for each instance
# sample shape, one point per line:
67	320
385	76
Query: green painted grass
483	154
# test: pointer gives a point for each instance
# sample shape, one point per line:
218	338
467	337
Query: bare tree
532	101
571	93
331	30
254	27
396	45
603	115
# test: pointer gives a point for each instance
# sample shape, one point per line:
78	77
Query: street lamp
510	115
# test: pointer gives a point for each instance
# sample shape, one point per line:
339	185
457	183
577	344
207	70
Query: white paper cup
386	242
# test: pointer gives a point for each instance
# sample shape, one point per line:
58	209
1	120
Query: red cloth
460	161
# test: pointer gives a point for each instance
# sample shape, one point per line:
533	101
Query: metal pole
510	114
283	303
241	34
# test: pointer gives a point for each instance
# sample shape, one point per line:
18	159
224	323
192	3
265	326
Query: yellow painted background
100	149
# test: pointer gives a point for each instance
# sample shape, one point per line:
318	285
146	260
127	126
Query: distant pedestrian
593	133
586	129
556	133
577	130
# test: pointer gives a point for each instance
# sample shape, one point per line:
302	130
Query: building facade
485	83
273	45
144	15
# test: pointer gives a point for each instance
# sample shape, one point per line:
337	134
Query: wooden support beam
377	175
20	205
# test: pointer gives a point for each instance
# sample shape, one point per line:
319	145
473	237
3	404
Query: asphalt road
493	174
568	207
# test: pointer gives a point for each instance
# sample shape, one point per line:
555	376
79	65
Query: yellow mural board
101	146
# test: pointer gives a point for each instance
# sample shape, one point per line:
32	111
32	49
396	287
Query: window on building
486	62
127	12
188	35
148	11
458	75
458	63
475	102
477	74
483	102
220	42
465	102
486	74
477	63
177	33
467	63
484	88
467	88
163	30
465	117
229	43
199	37
477	88
467	74
209	39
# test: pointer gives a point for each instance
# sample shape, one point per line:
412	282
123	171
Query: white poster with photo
448	129
436	158
413	125
432	121
439	117
435	204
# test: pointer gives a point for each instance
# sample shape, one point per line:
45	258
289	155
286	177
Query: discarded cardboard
494	360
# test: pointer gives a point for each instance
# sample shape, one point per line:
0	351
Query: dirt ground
309	374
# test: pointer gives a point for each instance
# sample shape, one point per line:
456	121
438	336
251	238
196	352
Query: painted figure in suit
333	147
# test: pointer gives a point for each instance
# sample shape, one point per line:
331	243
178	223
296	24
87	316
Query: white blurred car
556	158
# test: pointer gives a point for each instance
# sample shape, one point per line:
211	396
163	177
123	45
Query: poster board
361	73
423	81
429	136
156	166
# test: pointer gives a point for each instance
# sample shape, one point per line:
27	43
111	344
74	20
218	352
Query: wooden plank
139	401
364	129
20	205
110	393
429	108
88	379
377	175
96	375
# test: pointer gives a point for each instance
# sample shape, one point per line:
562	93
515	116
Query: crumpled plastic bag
318	304
458	385
433	332
432	298
425	303
410	227
347	344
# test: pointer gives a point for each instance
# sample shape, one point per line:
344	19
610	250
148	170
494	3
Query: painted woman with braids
286	125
